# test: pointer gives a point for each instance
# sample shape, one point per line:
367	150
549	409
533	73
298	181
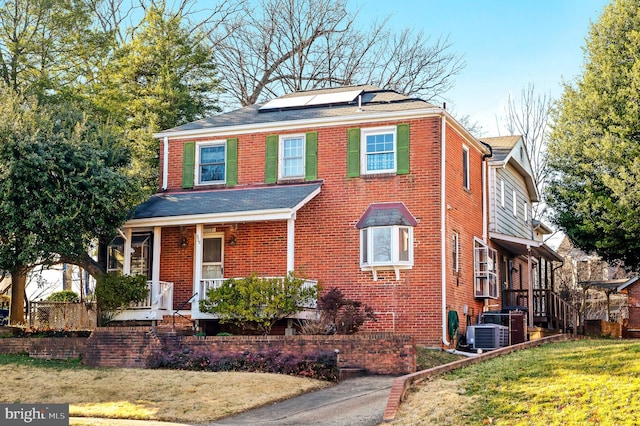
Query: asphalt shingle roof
373	99
224	201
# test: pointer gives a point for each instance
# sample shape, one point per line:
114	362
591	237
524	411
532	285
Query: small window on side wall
455	247
465	167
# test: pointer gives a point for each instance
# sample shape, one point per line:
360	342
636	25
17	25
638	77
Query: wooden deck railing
549	310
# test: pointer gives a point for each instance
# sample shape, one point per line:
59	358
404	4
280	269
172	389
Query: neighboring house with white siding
525	262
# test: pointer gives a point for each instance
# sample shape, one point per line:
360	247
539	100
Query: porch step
350	372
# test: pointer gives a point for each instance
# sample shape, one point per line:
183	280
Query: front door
212	257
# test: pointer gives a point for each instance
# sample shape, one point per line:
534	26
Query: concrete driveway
358	401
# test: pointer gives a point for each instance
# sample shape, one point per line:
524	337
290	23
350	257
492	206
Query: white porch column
530	286
126	268
197	270
155	261
291	243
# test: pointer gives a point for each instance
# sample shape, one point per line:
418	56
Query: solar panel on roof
334	98
311	100
286	102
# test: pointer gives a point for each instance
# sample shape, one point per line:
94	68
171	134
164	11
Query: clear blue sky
506	44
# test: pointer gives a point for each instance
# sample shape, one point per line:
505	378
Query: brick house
364	189
525	262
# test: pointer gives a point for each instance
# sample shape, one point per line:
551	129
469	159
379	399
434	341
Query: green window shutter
232	161
188	164
311	153
271	164
402	134
353	153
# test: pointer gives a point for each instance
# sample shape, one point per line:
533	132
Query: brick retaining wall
376	353
44	347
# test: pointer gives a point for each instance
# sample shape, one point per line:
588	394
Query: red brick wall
44	347
377	353
327	244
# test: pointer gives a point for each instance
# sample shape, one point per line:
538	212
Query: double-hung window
211	162
378	150
292	157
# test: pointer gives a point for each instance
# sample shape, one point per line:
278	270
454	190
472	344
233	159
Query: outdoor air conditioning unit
487	336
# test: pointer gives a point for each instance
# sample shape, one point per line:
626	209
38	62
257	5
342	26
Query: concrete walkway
359	401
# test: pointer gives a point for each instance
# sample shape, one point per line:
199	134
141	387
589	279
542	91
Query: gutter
443	229
484	190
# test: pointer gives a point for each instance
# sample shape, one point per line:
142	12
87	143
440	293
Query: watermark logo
34	414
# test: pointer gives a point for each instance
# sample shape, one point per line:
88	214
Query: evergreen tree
594	146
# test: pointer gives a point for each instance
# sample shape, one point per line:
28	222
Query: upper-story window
210	162
465	167
515	203
502	192
378	150
525	206
292	156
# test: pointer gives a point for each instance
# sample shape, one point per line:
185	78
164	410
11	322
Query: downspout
443	227
484	190
165	163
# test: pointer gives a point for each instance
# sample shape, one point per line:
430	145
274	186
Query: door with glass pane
212	257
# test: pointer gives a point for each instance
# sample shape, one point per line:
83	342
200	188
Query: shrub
321	365
63	296
338	315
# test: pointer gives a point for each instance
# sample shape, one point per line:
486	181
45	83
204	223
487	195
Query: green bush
63	296
115	292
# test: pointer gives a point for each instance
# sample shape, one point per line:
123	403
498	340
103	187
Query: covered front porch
535	291
189	242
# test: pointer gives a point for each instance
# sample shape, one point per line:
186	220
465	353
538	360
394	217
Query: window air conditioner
487	336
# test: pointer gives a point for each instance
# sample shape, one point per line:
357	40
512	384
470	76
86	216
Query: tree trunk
18	284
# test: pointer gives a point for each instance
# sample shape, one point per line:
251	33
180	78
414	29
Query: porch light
183	242
232	241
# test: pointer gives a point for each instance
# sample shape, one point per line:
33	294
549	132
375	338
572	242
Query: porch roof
278	202
521	246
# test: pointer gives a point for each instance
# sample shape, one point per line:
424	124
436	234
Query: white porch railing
159	297
205	285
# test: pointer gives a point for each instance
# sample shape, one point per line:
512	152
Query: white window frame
367	250
455	242
205	144
281	156
466	175
372	131
485	271
502	192
515	203
525	207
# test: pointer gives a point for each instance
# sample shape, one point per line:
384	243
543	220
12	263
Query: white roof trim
361	117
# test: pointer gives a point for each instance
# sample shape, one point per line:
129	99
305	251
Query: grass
428	358
166	395
573	383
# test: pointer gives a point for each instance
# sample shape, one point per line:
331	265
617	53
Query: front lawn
169	395
572	383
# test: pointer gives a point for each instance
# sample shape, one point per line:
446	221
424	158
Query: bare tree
289	45
529	116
